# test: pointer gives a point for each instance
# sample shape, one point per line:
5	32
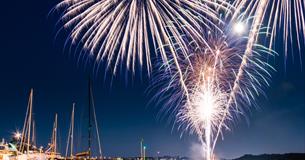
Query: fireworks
203	111
285	14
281	13
210	76
211	69
124	32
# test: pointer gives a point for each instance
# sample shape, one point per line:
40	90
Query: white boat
7	151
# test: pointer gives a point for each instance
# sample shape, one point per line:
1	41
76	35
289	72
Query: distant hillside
288	156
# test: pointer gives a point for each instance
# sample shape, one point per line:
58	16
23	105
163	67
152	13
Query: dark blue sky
31	58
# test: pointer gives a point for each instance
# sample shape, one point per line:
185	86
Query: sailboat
26	148
91	111
70	136
51	152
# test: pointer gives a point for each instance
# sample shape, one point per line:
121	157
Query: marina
22	145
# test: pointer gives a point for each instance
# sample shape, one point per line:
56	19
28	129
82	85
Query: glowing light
17	135
217	51
206	103
239	28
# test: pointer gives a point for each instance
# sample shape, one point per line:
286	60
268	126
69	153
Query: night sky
32	58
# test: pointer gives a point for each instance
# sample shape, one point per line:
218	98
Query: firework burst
210	73
206	104
123	32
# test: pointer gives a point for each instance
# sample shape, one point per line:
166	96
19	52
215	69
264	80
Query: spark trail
254	32
280	15
123	32
209	77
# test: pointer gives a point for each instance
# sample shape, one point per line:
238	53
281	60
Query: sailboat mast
92	106
89	119
26	126
30	121
34	133
55	135
72	130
